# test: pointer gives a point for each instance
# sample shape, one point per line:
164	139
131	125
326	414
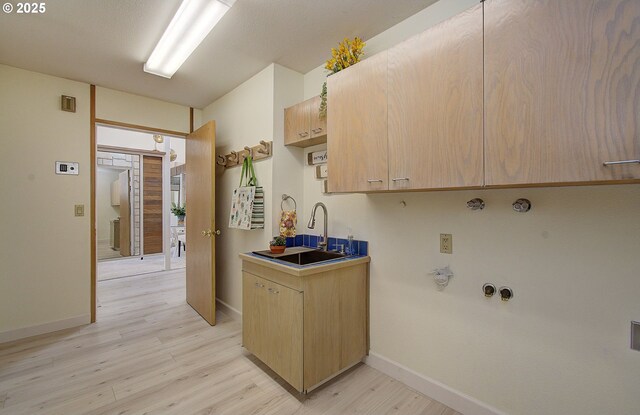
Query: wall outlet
446	243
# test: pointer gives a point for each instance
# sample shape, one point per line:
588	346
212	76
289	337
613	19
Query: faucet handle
341	250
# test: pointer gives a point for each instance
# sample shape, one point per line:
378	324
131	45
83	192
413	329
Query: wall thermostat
67	167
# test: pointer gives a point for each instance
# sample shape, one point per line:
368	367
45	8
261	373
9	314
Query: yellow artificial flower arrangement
348	53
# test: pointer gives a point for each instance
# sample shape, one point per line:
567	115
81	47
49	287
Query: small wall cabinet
306	328
303	125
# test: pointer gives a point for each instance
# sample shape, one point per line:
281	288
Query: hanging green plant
347	54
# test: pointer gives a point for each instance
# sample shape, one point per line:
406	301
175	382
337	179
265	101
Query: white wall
44	249
243	117
105	212
561	346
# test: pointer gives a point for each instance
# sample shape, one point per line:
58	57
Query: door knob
210	233
217	232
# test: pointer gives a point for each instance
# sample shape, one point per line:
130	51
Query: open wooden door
200	221
125	213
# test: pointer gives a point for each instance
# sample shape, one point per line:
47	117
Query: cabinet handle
272	291
374	180
259	285
316	130
303	134
400	179
613	163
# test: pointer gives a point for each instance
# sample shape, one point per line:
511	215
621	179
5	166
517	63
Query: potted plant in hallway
278	245
179	211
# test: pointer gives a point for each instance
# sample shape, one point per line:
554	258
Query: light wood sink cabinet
307	324
303	125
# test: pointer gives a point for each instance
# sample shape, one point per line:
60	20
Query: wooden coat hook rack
236	158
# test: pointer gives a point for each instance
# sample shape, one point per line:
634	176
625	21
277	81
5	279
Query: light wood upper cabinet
562	85
435	103
357	127
303	126
318	127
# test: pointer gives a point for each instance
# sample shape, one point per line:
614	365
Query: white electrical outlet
67	167
446	243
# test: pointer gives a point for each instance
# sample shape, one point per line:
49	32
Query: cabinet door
357	127
272	326
254	314
296	123
284	333
562	85
435	106
318	124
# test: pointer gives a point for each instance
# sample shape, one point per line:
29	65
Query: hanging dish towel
247	201
288	221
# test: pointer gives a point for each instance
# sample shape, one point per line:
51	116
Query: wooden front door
125	213
200	221
152	204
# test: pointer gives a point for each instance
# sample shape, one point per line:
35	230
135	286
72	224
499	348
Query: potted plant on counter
179	211
278	245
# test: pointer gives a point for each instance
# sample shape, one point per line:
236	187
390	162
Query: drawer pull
400	179
614	163
374	180
303	134
316	130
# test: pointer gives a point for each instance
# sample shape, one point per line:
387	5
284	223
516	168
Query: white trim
454	399
228	310
23	332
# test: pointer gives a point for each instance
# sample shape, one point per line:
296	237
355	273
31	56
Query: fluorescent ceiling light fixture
188	28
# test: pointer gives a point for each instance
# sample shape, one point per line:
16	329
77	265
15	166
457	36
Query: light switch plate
67	167
446	243
79	209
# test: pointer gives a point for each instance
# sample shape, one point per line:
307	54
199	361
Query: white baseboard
228	310
430	387
24	332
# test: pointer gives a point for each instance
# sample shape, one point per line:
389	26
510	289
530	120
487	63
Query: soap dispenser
350	248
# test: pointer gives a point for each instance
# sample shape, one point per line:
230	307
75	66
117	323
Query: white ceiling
105	42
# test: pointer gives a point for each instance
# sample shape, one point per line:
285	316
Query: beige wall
44	248
561	346
243	117
105	212
135	109
288	86
45	284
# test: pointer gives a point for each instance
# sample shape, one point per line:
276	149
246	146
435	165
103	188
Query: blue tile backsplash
360	247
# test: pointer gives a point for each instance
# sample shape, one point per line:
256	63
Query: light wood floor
150	353
126	267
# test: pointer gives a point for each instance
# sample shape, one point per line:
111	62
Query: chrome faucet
312	223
